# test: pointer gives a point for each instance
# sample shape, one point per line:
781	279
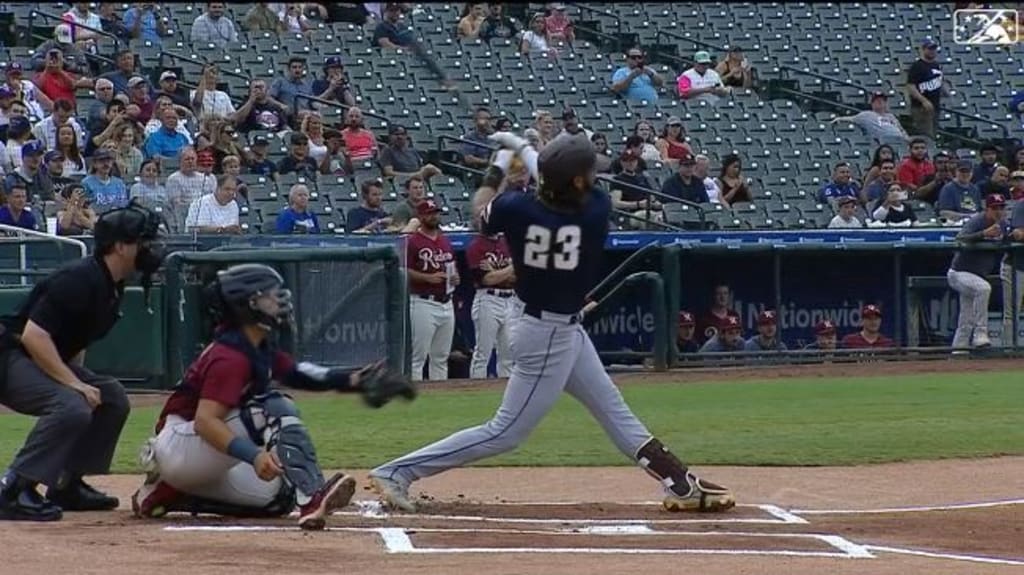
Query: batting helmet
560	162
237	296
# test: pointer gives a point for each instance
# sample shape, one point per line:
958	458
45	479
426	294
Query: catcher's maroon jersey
492	249
428	255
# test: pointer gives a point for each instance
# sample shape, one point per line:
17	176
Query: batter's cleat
78	495
393	494
156	498
702	496
335	494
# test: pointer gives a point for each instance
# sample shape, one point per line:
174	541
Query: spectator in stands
630	199
336	160
404	219
685	341
915	168
184	187
390	32
945	171
570	124
261	111
14	213
67	145
298	159
232	166
636	144
215	213
767	334
259	163
879	186
63	115
57	84
260	18
112	23
148	190
138	95
167	143
842	185
398	158
85	25
28	173
1017	185
369	217
1017	161
892	209
685	184
959	198
846	208
636	81
878	122
557	25
732	183
359	141
535	40
170	88
701	82
127	156
77	216
604	160
294	20
702	170
27	92
104	190
671	146
925	88
870	334
287	90
53	162
334	86
207	100
312	125
19	134
649	152
824	336
719	313
297	218
96	114
882	153
143	21
165	104
125	62
987	165
472	20
999	183
205	160
213	27
498	25
478	154
74	59
728	338
735	70
544	123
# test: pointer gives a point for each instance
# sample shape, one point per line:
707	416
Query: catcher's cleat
156	498
702	496
335	493
392	493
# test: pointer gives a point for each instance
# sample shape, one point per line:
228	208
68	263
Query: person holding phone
77	218
636	81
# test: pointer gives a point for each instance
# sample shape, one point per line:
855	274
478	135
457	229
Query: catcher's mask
133	224
253	294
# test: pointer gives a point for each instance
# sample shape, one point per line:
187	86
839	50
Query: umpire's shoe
699	495
19	501
78	495
335	493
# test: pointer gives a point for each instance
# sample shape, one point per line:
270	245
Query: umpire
42	373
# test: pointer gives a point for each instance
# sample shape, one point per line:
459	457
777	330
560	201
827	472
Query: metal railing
611	182
24	237
60	19
605	13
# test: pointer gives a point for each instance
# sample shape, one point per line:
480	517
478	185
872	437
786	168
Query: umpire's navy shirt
77	305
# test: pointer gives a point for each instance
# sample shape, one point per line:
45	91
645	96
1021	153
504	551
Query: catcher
229	443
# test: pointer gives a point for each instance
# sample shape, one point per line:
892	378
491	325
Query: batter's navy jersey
556	255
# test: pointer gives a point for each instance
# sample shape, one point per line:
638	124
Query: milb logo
986	27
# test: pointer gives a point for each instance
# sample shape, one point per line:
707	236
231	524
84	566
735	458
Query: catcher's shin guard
286	434
687	492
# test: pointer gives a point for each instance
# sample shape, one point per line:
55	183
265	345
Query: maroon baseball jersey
427	255
491	249
857	341
710	323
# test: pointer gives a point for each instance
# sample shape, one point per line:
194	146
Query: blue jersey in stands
557	256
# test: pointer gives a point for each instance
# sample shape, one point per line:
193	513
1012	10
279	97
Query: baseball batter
430	263
227	442
556	239
494	277
969	268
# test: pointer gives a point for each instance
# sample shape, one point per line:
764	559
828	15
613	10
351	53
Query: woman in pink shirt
557	24
360	142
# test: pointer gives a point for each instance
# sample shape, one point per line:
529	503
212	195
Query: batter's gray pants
974	292
549	355
69	437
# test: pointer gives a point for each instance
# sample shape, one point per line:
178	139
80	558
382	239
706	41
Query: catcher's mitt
379	385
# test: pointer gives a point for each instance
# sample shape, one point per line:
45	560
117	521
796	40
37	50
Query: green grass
799	422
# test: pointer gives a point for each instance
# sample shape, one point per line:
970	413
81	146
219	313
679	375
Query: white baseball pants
1010	307
433	327
492	317
974	292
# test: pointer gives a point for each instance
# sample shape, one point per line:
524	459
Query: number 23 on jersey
561	254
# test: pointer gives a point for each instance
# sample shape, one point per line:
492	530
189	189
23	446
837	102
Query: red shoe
154	499
335	494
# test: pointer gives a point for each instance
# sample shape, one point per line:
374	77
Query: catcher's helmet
237	296
560	162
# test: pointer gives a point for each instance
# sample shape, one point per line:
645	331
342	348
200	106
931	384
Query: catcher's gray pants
1010	308
974	292
549	355
69	436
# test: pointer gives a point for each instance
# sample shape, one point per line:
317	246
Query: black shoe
80	496
19	501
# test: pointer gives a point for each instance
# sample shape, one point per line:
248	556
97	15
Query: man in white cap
701	82
169	87
74	58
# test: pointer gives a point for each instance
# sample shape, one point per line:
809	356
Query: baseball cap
427	207
1017	174
942	154
846	200
32	148
686	319
824	327
870	310
767	317
14	68
6	92
396	129
135	81
995	201
928	42
102	154
965	165
168	75
629	154
53	155
19	123
673	121
333	62
731	322
702	57
260	141
62	34
878	95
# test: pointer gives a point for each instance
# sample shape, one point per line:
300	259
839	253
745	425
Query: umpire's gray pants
68	437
